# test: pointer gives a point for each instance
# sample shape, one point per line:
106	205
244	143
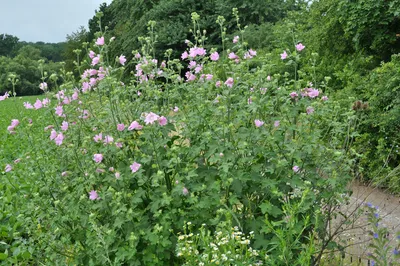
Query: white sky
45	20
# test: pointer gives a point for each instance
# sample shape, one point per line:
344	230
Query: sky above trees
45	20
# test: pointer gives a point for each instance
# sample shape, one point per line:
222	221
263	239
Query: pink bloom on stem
85	87
100	41
229	82
64	126
151	118
98	138
111	169
59	139
117	175
122	60
218	84
45	102
258	123
118	144
300	47
75	96
120	127
296	169
252	52
92	81
135	125
59	110
64	173
92	54
162	121
198	69
310	110
135	167
14	122
190	76
214	56
192	64
184	55
185	191
312	93
93	195
277	123
209	76
5	96
235	39
108	139
53	134
95	60
28	105
324	98
43	86
232	56
176	109
8	168
98	157
38	104
284	55
268	78
293	94
137	55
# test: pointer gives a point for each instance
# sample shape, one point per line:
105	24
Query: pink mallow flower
293	95
98	157
53	134
59	110
95	60
300	47
122	60
258	123
324	98
185	191
59	139
120	127
5	96
28	105
214	56
8	168
229	82
43	86
135	125
98	138
64	126
108	139
277	123
38	104
135	167
309	110
151	118
100	41
296	169
93	195
162	121
92	54
284	55
235	39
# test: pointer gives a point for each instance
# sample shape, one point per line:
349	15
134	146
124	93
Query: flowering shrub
115	169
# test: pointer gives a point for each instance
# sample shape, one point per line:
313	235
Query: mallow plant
118	163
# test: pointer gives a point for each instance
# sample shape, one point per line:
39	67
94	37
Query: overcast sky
45	20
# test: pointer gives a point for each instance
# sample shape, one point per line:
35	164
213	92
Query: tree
8	44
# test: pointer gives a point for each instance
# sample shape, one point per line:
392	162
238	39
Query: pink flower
95	60
43	86
229	82
53	134
122	60
176	109
252	52
151	118
59	139
38	104
28	105
98	157
198	69
268	78
85	87
192	64
235	39
108	139
193	52
135	125
59	110
293	94
120	127
92	82
214	56
190	76
312	93
258	123
75	96
221	154
162	121
218	84
184	55
277	123
100	41
98	138
300	47
45	102
8	168
93	195
17	160
209	77
64	126
118	144
296	169
64	173
117	175
324	98
14	122
284	55
92	54
185	191
135	167
5	96
309	110
232	56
